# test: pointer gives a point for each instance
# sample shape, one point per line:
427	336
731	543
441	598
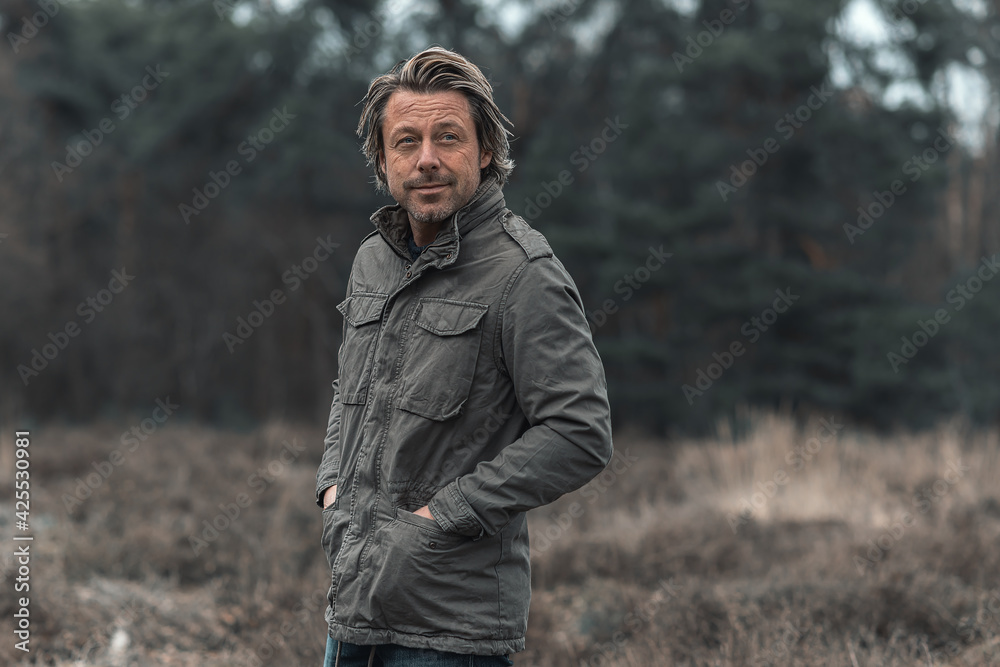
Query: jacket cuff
454	513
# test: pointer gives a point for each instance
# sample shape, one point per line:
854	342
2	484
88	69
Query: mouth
430	189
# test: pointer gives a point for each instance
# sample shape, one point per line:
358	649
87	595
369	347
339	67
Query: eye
449	137
405	140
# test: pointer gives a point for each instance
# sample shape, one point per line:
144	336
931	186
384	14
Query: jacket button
433	545
407	274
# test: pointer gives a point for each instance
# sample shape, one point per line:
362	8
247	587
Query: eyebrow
410	129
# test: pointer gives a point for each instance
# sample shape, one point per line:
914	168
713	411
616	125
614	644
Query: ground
784	544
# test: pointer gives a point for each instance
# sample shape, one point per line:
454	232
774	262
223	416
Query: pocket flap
362	307
445	317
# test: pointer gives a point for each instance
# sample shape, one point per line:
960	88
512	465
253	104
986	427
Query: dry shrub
657	562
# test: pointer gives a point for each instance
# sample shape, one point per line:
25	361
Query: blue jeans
392	655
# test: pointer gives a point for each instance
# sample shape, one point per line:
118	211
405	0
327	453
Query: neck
425	232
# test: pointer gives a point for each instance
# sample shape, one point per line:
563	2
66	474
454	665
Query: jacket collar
393	225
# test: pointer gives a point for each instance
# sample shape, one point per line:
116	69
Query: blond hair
437	70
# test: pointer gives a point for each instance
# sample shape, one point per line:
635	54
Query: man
469	388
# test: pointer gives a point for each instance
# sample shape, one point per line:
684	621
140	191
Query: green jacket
468	380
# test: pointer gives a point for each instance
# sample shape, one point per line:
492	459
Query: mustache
424	182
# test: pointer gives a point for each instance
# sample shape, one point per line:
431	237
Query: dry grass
651	565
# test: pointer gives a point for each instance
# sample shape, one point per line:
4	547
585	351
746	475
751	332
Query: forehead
415	109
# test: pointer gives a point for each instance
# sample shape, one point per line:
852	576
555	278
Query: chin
431	215
429	218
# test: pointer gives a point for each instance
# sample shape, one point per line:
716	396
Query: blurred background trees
818	106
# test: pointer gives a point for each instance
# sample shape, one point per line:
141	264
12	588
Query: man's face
431	158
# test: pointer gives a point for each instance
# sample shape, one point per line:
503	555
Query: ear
381	161
485	158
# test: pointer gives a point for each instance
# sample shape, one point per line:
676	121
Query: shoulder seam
542	249
501	307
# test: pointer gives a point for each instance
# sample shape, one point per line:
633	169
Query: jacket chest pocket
362	312
441	357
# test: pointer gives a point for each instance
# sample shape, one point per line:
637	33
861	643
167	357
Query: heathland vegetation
786	545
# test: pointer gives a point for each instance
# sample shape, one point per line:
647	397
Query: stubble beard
434	213
431	217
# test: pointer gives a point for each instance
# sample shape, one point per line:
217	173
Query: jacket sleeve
559	383
329	467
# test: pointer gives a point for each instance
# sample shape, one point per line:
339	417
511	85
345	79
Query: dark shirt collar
415	249
394	225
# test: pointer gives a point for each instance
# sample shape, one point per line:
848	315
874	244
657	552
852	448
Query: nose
427	158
